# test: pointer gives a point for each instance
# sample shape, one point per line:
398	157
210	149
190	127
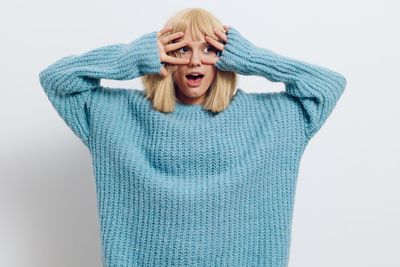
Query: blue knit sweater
191	187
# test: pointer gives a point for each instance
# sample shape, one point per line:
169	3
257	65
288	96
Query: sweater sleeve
70	82
314	89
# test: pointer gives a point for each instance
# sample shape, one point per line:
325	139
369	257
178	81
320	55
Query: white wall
347	203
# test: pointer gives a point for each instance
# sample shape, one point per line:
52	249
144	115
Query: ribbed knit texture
192	187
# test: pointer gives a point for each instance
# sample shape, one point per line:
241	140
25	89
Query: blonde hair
161	90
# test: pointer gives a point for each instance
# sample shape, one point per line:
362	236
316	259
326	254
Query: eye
181	49
210	48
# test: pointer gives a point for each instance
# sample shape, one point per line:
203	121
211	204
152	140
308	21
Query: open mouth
194	77
194	80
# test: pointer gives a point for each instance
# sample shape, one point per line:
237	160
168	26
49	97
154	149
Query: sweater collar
197	108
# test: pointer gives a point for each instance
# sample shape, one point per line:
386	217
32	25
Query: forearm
245	58
78	73
316	88
68	82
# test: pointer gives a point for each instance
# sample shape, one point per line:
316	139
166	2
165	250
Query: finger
214	43
226	27
209	60
174	60
221	35
177	61
175	46
168	38
164	30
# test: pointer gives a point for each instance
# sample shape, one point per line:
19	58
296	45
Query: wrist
146	53
236	54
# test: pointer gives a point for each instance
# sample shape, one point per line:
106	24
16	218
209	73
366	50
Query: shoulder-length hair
161	90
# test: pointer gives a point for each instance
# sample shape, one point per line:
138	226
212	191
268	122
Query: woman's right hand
164	48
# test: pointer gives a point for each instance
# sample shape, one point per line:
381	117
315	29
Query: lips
193	79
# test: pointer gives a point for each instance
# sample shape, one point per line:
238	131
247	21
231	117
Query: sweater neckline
181	107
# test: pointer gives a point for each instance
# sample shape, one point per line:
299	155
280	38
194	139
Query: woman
193	171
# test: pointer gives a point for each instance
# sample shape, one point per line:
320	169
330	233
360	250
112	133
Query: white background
347	201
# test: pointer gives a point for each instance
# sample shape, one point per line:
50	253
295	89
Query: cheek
211	74
178	76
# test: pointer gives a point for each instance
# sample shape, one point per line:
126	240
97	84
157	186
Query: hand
164	49
218	45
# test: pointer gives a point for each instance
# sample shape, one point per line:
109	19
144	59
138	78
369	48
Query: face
191	89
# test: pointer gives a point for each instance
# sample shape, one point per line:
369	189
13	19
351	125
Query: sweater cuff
146	53
236	54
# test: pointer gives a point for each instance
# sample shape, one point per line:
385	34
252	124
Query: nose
195	59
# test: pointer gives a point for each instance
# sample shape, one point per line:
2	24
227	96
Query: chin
194	92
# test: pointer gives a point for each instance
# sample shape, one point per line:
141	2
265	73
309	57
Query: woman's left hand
218	45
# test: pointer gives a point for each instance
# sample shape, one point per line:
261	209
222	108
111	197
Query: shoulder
275	107
261	99
111	98
276	100
109	93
